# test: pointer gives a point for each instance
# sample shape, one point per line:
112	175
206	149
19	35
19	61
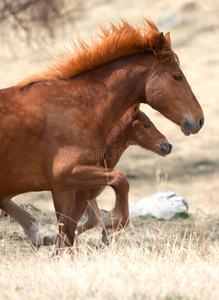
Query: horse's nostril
166	147
201	123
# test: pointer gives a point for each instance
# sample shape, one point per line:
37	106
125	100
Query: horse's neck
121	86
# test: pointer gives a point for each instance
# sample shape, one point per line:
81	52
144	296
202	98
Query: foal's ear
161	41
137	106
136	109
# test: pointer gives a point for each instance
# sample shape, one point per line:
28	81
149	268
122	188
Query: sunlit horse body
50	121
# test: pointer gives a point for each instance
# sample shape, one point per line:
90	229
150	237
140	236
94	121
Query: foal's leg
94	217
26	220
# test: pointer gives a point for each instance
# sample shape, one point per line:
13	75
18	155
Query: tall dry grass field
176	259
154	259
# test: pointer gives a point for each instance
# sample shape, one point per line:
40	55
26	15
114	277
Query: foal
135	128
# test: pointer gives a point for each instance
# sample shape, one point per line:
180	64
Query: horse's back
40	133
20	135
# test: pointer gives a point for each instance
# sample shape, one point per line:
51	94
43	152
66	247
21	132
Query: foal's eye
177	77
147	125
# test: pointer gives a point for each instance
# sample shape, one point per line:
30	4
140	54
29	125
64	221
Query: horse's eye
177	77
147	125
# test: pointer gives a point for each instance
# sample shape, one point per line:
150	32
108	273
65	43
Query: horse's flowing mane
115	42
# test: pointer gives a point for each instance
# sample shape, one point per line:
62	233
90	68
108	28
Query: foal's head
145	134
168	91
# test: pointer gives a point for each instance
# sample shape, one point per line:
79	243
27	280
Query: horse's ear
161	41
167	36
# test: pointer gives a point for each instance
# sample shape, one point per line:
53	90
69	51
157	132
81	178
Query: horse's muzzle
165	148
191	127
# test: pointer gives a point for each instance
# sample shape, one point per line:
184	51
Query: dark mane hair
115	42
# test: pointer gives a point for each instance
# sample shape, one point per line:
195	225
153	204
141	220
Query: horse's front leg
64	203
68	213
85	177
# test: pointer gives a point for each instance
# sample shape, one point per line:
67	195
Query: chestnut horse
51	121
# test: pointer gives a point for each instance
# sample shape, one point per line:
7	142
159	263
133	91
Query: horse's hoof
105	239
50	240
2	213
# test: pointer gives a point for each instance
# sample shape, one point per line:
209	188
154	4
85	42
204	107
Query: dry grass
153	260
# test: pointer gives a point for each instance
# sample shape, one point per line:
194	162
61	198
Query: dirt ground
193	167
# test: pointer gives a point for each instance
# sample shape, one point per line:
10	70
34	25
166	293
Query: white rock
161	205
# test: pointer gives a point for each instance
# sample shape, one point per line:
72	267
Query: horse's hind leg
26	220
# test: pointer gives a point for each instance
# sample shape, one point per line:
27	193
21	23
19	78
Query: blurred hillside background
31	31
